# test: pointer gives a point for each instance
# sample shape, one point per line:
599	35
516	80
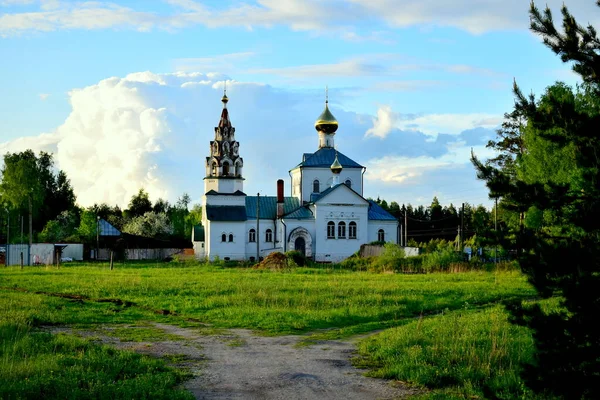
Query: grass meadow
444	332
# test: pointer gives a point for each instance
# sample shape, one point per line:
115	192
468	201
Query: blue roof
106	229
226	213
379	214
300	213
268	206
324	157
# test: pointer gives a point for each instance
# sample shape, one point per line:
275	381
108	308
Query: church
325	217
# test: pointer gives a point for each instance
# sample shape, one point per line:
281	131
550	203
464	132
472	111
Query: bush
297	258
390	259
441	260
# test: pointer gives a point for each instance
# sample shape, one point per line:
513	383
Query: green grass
298	301
442	331
459	354
35	364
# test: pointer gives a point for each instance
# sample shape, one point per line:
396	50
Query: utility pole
7	262
496	230
405	228
257	227
462	226
30	231
97	236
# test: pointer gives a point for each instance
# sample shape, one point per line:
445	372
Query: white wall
389	227
235	250
226	185
325	177
260	237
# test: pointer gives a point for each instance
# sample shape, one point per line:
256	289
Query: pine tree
562	259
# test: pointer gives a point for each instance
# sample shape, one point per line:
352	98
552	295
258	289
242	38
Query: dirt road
236	364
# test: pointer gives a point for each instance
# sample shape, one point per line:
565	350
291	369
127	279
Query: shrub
390	259
296	257
440	260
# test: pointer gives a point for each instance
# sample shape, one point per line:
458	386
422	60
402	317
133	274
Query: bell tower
224	165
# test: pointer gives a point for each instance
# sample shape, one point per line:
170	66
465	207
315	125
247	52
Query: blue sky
414	83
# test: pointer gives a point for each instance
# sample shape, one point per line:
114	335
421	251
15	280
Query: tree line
37	199
426	223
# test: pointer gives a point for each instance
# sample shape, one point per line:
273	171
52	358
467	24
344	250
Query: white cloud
384	123
226	63
430	124
342	16
43	96
152	130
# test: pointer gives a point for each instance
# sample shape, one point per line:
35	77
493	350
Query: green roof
268	206
198	233
226	213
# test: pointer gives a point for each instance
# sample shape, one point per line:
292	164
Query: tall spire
225	122
225	99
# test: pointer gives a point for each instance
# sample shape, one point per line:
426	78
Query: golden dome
224	99
336	167
326	122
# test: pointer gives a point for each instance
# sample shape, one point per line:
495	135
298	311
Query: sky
126	94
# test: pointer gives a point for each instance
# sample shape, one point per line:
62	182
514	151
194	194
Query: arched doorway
300	245
301	240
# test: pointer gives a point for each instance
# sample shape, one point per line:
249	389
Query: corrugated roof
379	214
324	157
106	229
300	213
268	206
198	233
226	213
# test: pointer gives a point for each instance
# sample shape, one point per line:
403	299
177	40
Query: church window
348	183
381	235
342	230
352	230
252	236
223	238
213	169
230	237
331	230
269	236
225	169
316	186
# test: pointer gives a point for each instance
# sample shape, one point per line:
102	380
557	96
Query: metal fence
14	252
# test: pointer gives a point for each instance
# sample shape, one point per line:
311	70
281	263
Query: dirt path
240	365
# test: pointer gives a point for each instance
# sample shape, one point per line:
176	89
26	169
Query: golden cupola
336	167
326	122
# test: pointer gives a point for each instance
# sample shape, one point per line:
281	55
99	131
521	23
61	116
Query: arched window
213	170
316	186
342	230
238	169
225	168
352	230
348	183
331	230
381	235
231	237
269	235
252	236
223	238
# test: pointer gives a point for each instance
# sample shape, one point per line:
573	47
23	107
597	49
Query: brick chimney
279	198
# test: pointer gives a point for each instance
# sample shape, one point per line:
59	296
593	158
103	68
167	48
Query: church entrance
300	245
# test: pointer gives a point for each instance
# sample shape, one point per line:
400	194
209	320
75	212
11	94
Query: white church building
326	217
